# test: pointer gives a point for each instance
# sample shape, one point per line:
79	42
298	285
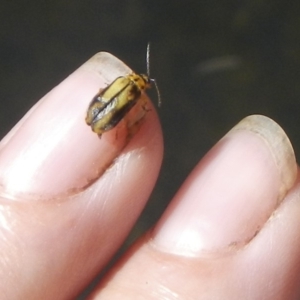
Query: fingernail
231	193
52	152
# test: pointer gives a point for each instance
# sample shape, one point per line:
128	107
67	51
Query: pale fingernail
52	152
232	191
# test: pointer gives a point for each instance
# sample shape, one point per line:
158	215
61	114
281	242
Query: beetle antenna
148	59
157	90
148	73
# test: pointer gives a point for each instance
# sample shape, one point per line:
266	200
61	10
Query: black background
215	62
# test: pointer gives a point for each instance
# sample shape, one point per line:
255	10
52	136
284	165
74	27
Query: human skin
69	199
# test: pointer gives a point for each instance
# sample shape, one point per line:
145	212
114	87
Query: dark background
215	62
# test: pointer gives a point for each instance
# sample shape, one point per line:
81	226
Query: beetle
111	104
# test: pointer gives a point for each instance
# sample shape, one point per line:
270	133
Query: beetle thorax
140	80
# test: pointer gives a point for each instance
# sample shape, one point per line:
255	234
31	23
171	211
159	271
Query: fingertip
53	144
231	193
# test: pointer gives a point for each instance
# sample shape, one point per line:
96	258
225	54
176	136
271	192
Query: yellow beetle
112	103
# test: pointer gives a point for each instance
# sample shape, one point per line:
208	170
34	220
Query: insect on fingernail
113	103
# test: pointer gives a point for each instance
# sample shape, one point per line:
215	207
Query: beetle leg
145	108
